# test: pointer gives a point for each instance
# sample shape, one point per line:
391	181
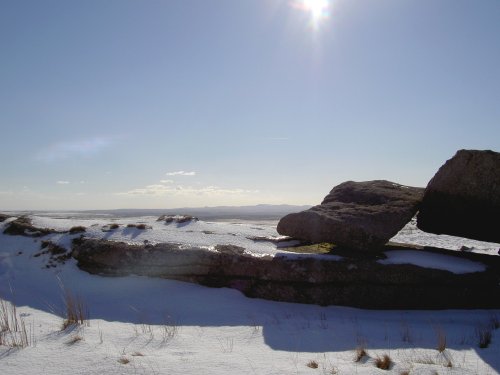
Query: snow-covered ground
410	234
139	325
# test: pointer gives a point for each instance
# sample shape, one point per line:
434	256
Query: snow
141	325
435	261
410	234
199	233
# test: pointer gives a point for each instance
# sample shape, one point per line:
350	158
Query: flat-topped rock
463	198
359	215
335	279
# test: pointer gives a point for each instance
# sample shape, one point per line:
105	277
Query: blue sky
156	104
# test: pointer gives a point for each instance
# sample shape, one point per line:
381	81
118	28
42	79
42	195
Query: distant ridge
257	212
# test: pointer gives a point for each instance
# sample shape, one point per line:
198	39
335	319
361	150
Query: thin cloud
163	190
180	173
62	182
81	149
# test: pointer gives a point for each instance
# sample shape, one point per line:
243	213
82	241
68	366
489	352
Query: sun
318	9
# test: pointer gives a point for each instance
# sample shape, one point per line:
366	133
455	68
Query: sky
189	103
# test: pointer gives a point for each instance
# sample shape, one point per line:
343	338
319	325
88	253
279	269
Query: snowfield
139	325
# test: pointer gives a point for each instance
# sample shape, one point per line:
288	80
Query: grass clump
13	330
73	340
484	337
312	364
76	312
124	360
359	354
137	226
77	229
384	362
441	340
495	322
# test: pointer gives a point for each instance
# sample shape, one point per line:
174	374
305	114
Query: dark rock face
23	227
359	215
55	253
463	198
352	281
3	217
178	219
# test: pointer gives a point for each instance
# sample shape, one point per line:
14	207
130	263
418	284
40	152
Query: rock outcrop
463	198
352	281
4	217
359	215
23	226
178	219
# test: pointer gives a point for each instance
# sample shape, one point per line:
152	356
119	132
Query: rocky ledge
359	281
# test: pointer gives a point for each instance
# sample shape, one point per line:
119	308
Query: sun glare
318	9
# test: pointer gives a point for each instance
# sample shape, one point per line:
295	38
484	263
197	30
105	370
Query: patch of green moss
318	248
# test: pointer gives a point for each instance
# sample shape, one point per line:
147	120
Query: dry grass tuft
75	310
484	336
137	226
384	362
495	322
312	364
359	354
78	229
406	334
13	331
73	340
441	340
124	360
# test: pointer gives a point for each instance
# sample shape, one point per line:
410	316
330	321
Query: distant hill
258	212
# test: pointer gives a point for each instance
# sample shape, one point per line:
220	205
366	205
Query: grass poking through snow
75	310
13	330
384	362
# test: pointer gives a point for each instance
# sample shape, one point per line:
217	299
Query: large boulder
463	198
359	215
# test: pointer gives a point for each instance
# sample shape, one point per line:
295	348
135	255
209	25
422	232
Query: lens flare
318	9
